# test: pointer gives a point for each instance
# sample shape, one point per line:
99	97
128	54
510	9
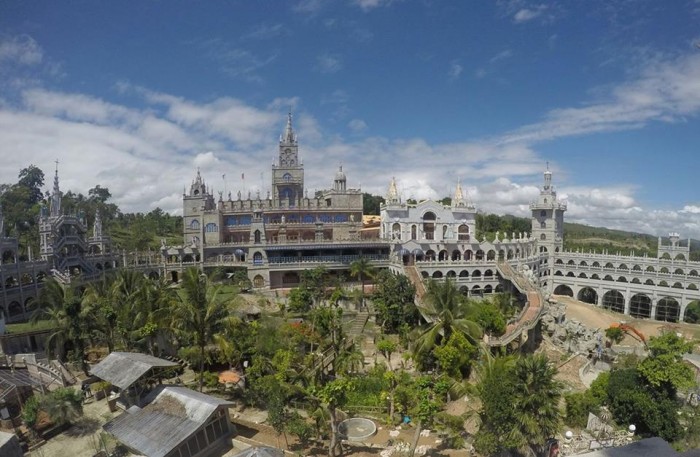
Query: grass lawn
23	327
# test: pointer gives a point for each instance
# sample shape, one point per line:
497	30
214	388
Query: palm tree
101	317
198	313
536	402
62	307
362	269
446	311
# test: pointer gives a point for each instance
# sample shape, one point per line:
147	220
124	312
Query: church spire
392	195
458	200
56	196
289	136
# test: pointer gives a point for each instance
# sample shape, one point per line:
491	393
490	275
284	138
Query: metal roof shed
122	369
176	422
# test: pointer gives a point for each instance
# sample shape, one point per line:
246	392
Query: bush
578	405
298	427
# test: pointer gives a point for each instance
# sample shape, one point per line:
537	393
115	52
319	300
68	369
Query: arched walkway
588	295
564	290
614	301
668	310
640	306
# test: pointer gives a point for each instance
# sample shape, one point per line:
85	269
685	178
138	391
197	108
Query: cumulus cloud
526	15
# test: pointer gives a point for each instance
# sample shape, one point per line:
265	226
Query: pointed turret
198	187
289	137
56	196
547	178
392	195
458	200
97	227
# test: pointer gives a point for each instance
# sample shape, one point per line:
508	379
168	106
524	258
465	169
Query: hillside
583	237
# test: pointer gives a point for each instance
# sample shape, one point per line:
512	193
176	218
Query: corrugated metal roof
173	415
122	369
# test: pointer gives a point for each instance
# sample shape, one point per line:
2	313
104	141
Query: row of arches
488	274
625	267
640	305
647	282
457	255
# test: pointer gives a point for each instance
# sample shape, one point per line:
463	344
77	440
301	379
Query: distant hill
583	237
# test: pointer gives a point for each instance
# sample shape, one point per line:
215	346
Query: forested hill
583	237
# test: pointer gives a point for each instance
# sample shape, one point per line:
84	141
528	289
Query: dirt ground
595	317
256	434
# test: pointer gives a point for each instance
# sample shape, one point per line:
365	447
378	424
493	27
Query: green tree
536	401
664	368
371	204
455	356
615	334
198	314
633	401
334	395
362	268
62	307
386	348
393	299
448	312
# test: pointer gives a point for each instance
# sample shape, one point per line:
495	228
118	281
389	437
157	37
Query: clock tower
288	174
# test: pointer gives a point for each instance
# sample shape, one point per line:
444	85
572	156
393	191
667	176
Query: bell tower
548	218
288	173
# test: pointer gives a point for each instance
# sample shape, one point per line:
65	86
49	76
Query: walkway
527	319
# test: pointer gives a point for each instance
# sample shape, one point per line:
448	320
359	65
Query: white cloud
357	125
367	5
666	91
329	63
525	14
505	54
21	49
455	70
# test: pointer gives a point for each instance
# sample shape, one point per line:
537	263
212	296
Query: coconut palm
101	317
536	402
62	307
446	312
198	313
362	269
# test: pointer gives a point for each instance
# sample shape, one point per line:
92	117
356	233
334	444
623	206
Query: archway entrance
588	295
614	301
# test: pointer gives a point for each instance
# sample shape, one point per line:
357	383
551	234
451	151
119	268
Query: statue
352	218
229	195
239	194
283	219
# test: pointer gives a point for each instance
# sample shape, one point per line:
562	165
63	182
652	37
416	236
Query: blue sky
136	95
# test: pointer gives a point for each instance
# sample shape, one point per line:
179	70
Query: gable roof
122	369
171	417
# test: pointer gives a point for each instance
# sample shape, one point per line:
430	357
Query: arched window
211	228
463	232
543	213
194	225
413	232
543	237
257	235
287	177
396	231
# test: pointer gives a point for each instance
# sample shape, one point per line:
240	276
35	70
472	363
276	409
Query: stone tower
288	174
548	218
194	204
